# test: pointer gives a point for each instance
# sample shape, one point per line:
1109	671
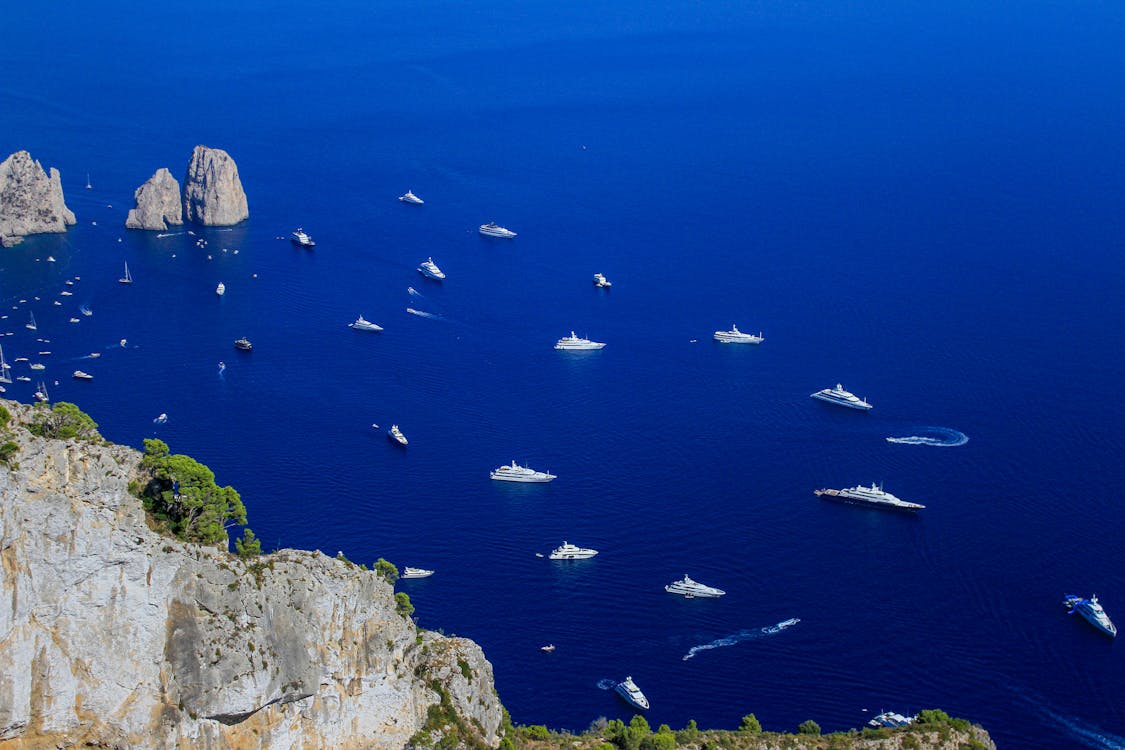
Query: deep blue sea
924	201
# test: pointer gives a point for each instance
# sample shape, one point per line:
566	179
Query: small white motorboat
411	198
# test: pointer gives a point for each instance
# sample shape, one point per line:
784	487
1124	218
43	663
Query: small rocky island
31	201
213	194
157	203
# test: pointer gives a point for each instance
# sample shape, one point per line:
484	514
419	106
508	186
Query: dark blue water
922	201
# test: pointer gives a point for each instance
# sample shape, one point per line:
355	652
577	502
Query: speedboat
872	496
735	336
548	648
301	238
411	198
602	281
221	289
242	344
396	434
361	324
632	694
1092	610
409	572
840	397
161	419
691	589
430	270
80	375
569	551
575	343
890	719
491	229
516	473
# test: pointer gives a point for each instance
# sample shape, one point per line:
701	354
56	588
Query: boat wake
423	314
943	437
415	293
742	635
167	234
1086	733
607	684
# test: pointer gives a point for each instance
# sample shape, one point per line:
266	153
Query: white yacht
491	229
691	589
840	397
632	694
516	473
411	198
430	270
409	572
80	375
735	336
574	343
301	238
221	289
396	434
602	282
872	496
361	324
37	366
1092	610
569	551
128	277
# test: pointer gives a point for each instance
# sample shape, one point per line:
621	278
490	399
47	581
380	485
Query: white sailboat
5	374
88	185
128	277
31	326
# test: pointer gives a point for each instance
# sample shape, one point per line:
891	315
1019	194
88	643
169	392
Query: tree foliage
64	421
402	603
7	452
181	493
750	724
249	545
808	727
5	417
386	570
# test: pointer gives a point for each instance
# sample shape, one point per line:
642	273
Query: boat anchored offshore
602	282
361	324
516	473
492	230
128	277
411	198
575	343
409	572
568	551
1092	610
691	589
396	435
242	344
430	270
735	336
632	694
840	397
872	496
221	289
80	375
301	238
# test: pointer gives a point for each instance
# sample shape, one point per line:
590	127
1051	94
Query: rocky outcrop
112	636
213	193
158	203
31	202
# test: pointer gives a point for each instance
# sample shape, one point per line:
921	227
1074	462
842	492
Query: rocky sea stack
113	636
213	194
31	202
158	203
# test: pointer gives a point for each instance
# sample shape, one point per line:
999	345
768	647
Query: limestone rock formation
112	636
158	203
31	202
213	193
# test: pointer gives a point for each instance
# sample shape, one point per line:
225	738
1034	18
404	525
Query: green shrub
750	724
181	494
63	421
249	545
5	417
808	727
403	605
538	732
466	672
386	570
7	452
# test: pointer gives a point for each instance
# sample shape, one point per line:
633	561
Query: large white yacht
411	198
301	238
873	496
735	336
569	551
515	473
1092	610
574	343
690	589
221	289
491	229
430	270
840	397
396	435
409	572
632	694
362	324
601	281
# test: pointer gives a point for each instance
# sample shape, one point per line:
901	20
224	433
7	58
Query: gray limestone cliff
112	636
31	202
157	203
213	193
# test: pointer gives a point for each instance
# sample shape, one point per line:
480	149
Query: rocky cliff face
114	636
213	193
31	202
157	203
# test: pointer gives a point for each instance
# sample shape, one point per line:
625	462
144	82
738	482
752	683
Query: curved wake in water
742	635
415	293
423	314
607	684
1087	734
943	437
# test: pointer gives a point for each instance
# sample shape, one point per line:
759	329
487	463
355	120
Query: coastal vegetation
64	421
386	570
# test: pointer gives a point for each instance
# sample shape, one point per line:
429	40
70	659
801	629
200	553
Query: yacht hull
838	497
837	402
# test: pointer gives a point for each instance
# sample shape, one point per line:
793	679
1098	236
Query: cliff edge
113	636
213	192
31	202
